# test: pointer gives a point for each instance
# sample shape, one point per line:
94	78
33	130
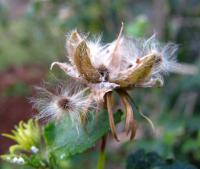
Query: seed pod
134	75
84	65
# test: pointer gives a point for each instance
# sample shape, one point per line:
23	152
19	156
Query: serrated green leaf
64	139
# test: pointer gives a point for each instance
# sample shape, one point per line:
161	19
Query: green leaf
65	140
142	160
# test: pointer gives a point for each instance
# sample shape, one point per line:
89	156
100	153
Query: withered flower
121	65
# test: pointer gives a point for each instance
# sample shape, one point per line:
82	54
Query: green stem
102	156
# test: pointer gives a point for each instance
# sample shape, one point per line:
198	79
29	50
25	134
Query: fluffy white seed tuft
53	106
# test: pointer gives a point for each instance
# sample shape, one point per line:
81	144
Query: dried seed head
126	61
121	64
54	106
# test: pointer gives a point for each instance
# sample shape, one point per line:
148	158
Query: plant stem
102	156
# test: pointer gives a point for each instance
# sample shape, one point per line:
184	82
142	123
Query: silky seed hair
131	51
64	101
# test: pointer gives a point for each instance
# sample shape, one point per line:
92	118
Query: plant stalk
102	156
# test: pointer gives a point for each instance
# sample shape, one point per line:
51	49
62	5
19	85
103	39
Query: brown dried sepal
108	97
72	43
115	57
84	65
134	75
130	122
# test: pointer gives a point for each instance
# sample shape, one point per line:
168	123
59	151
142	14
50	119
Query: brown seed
64	103
104	72
138	61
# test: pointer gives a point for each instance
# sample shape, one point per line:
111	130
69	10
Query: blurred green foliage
38	36
142	160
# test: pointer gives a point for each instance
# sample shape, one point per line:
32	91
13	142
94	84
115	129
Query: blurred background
32	35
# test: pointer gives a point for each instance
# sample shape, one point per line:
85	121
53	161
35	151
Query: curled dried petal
110	114
130	123
68	69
